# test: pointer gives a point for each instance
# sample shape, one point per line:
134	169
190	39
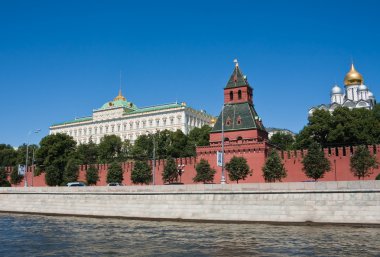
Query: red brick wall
254	153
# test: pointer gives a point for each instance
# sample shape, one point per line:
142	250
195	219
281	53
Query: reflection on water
27	235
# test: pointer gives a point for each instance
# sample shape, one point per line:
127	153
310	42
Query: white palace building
124	119
355	95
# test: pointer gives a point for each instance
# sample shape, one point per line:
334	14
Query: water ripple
33	235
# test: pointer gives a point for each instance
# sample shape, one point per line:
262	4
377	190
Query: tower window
238	120
239	94
231	95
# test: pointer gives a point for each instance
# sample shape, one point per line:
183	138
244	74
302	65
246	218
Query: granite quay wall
320	202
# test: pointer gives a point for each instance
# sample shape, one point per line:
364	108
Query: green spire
237	78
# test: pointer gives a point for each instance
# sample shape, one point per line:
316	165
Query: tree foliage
115	173
282	140
238	169
71	172
315	164
170	174
15	178
362	162
92	175
273	168
55	150
205	173
53	176
8	155
343	127
87	153
141	173
109	149
4	178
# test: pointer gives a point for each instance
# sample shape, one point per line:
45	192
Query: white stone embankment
320	202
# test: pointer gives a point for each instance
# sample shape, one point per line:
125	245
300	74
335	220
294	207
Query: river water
34	235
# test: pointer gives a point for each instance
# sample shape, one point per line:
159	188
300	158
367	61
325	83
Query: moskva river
33	235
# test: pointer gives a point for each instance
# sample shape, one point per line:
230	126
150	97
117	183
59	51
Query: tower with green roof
242	124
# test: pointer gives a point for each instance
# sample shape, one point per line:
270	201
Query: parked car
76	184
114	184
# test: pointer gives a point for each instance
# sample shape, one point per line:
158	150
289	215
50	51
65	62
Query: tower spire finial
236	62
120	94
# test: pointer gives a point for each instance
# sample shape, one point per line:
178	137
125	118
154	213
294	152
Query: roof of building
76	120
240	116
237	78
157	108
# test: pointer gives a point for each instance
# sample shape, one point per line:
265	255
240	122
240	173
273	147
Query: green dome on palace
119	101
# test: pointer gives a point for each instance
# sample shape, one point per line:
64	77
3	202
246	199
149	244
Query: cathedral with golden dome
355	94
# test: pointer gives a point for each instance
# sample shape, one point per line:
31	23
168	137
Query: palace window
239	94
231	95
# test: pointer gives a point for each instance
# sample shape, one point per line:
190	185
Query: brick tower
241	122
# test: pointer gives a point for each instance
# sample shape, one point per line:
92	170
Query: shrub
141	173
204	172
92	175
238	169
170	173
115	173
15	177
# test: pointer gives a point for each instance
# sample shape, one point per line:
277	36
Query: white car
76	184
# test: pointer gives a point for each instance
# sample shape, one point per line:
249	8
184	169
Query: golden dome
119	97
353	77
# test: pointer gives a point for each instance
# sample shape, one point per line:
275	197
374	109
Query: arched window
239	138
239	94
231	95
226	139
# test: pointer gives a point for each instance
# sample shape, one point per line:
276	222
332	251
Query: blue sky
61	59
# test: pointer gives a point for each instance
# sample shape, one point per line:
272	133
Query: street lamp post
223	178
26	160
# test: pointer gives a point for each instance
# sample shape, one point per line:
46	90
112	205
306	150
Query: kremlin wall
339	158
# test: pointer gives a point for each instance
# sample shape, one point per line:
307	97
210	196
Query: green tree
315	164
141	173
200	136
87	153
170	173
53	176
15	177
126	151
55	151
282	140
71	172
109	148
4	178
143	148
273	168
92	175
115	173
362	162
8	156
205	173
21	153
238	169
377	177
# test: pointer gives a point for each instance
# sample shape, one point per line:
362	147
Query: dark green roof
157	108
244	112
73	121
237	79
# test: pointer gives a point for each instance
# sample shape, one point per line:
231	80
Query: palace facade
124	119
